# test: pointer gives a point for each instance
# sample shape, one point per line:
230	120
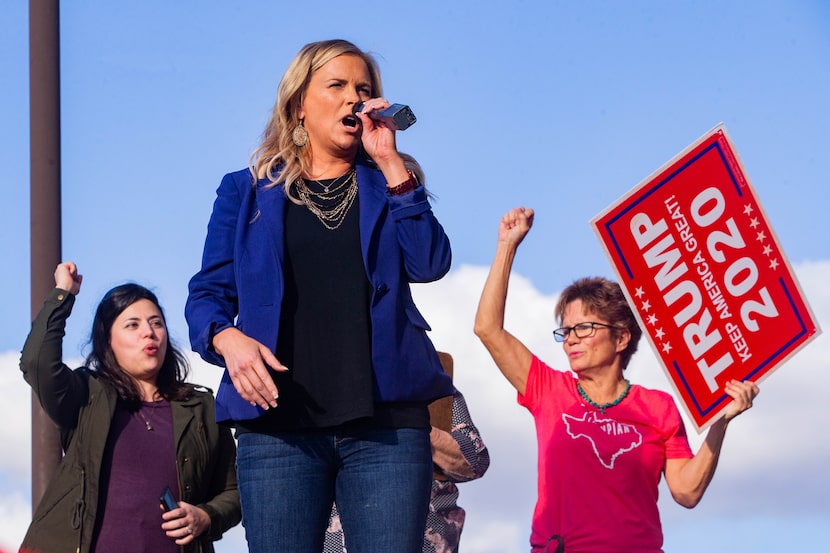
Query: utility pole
45	204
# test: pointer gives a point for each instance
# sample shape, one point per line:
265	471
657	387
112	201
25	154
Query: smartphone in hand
167	500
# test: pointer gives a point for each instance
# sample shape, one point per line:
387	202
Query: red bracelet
409	184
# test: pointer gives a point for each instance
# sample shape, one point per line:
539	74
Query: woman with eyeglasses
603	442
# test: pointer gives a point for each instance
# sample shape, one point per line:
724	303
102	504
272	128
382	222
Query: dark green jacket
82	405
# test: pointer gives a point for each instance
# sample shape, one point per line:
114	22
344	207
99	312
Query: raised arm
688	479
511	356
60	390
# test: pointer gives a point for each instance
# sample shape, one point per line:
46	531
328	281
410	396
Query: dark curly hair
174	369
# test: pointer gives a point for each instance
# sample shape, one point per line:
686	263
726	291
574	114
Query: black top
325	333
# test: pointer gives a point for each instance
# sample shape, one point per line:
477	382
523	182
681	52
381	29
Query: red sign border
734	165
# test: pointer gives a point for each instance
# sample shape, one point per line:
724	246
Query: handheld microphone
396	116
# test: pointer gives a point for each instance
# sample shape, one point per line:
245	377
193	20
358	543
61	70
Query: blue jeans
381	480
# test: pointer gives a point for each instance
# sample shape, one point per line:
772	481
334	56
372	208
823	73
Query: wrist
393	168
219	338
408	185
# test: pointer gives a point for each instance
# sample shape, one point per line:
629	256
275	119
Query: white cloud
15	454
15	514
16	458
772	468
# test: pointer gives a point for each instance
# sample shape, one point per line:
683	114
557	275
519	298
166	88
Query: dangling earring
300	135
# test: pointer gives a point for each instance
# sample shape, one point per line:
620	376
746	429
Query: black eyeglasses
582	330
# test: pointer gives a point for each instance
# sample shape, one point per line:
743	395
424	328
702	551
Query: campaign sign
704	273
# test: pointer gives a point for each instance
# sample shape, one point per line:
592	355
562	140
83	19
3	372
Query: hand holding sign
742	394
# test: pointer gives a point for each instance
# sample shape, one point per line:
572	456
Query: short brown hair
604	298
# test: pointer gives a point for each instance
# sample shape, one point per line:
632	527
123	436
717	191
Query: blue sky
559	106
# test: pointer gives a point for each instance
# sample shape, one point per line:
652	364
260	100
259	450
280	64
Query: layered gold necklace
332	204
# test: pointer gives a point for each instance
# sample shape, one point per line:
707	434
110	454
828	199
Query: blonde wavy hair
277	158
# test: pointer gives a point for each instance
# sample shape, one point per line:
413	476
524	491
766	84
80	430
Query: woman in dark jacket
130	425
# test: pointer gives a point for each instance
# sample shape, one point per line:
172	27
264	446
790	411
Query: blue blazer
240	282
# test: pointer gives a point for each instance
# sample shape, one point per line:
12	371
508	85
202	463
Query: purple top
139	460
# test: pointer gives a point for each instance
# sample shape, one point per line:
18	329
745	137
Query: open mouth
350	121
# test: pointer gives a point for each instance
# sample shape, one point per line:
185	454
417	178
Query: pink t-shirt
598	473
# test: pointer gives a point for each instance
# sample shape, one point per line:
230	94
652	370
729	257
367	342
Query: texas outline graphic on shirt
608	438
